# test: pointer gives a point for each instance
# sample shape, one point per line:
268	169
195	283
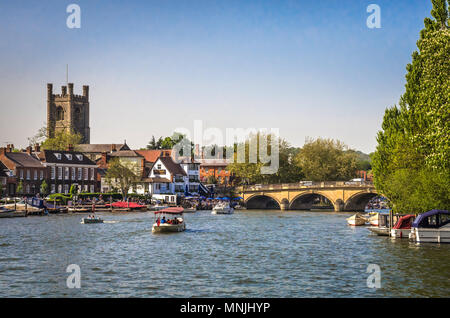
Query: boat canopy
422	219
404	222
173	210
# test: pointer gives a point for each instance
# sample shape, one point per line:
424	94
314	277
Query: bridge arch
358	201
262	201
305	200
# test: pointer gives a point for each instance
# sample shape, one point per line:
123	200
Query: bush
59	197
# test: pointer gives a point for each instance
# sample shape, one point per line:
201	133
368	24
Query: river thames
247	254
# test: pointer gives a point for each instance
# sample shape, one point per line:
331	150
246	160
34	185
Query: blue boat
431	227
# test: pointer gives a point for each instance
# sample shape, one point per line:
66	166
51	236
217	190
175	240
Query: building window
35	174
80	157
21	174
86	172
74	176
27	189
28	175
92	188
53	173
59	188
52	188
69	156
66	173
66	188
60	174
92	174
41	174
86	189
58	156
80	173
158	167
59	113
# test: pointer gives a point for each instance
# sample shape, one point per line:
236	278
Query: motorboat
127	206
240	207
374	218
382	229
431	227
190	210
402	227
22	206
91	220
8	213
356	220
169	220
222	208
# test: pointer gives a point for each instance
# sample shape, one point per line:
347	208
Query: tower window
59	113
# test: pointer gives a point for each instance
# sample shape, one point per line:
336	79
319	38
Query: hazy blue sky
311	68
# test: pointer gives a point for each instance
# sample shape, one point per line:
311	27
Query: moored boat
356	220
91	220
222	208
8	213
402	227
431	227
190	210
165	224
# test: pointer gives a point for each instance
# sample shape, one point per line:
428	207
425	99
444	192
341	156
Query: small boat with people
222	208
356	220
431	227
91	219
169	220
402	227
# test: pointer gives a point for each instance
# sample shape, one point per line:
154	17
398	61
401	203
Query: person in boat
163	220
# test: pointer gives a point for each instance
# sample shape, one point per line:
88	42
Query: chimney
113	148
29	150
37	148
70	85
70	147
64	90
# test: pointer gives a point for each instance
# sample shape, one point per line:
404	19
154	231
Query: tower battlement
68	112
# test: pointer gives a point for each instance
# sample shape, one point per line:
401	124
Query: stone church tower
66	112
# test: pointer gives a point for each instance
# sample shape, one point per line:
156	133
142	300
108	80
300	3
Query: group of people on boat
168	221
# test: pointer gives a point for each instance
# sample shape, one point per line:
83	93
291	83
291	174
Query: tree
122	175
411	165
1	189
327	160
44	188
62	140
249	171
39	137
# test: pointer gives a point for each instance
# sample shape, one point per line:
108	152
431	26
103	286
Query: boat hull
168	228
223	211
381	231
400	233
91	221
13	214
428	235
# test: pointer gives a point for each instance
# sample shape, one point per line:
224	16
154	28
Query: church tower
68	112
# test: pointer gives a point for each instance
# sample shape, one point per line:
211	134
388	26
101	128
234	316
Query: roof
124	153
23	159
3	169
156	180
153	155
418	221
89	148
173	210
174	168
49	156
214	162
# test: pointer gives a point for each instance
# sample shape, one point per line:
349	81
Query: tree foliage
411	165
122	175
62	140
327	160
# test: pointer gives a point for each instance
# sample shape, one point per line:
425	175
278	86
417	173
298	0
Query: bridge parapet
306	185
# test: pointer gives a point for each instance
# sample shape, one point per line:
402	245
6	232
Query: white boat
381	231
190	210
402	227
222	208
169	220
21	206
356	220
431	227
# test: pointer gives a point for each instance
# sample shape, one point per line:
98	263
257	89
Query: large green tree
411	162
327	160
122	175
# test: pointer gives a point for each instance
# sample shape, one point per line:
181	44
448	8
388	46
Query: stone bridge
343	195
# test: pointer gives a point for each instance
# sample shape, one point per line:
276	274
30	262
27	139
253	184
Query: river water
247	254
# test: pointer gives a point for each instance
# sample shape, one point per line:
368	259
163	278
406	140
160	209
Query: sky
311	68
